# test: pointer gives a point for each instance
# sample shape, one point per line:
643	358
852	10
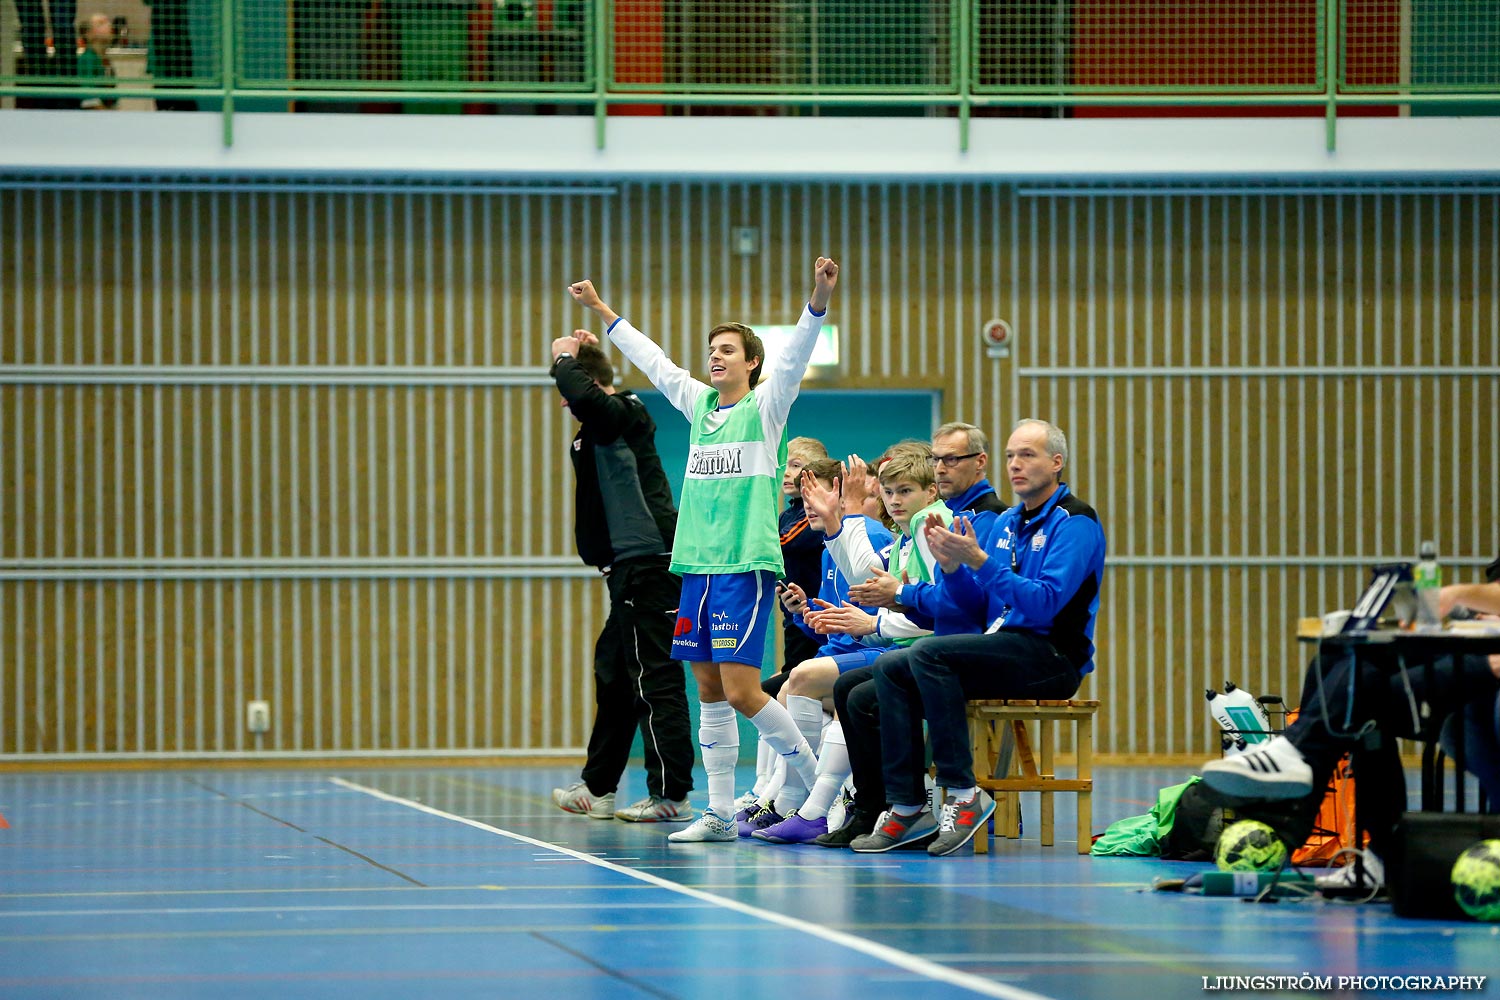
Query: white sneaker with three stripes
1274	771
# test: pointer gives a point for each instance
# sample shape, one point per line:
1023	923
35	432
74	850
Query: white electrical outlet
258	716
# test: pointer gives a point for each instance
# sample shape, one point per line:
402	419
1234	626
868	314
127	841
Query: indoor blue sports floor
469	882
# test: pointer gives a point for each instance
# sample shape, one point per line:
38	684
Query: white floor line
892	956
174	911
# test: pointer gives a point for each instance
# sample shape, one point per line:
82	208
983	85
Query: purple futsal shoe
794	830
758	819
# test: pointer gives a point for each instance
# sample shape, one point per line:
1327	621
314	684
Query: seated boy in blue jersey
1036	584
779	822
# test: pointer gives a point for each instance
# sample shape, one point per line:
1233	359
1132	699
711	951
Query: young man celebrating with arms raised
727	549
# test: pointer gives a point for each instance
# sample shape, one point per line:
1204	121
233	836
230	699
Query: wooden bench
1006	765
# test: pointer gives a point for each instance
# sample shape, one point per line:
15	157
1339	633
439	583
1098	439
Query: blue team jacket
1042	576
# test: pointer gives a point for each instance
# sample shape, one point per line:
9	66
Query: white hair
1057	441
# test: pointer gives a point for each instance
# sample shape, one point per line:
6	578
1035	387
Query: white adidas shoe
1273	771
577	798
708	827
655	809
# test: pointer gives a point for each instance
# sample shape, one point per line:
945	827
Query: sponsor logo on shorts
721	616
726	644
724	627
683	627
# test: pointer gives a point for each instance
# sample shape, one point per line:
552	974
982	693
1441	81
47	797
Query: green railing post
226	75
602	18
960	29
1333	73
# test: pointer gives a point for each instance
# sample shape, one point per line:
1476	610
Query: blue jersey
835	590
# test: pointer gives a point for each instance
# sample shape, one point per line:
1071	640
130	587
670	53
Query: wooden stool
1005	765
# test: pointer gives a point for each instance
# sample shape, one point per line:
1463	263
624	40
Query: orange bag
1333	830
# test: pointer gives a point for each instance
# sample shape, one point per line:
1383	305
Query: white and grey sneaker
709	826
577	798
747	803
655	809
1274	771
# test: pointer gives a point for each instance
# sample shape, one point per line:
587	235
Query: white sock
963	794
719	743
790	798
774	780
807	713
777	728
833	768
765	764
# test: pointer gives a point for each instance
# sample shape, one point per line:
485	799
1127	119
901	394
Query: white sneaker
710	826
655	809
838	812
577	798
1346	879
1274	771
747	803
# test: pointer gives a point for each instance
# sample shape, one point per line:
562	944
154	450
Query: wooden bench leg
1085	750
1046	731
1015	748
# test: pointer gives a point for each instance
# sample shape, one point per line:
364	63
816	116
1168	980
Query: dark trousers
637	685
1364	712
858	708
934	678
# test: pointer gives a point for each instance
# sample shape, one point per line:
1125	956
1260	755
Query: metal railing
953	58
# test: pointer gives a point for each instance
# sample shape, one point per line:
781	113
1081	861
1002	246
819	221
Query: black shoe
857	824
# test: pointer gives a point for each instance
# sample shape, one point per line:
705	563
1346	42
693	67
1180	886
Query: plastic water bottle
1254	883
1231	741
1427	579
1249	717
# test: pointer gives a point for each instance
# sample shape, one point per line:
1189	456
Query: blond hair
906	463
806	448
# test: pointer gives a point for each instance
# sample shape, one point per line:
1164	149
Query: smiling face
734	360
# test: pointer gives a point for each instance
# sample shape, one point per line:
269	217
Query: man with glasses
960	457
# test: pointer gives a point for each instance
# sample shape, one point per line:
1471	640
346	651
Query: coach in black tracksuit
625	524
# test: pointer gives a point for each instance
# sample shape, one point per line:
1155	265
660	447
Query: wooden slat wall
1263	394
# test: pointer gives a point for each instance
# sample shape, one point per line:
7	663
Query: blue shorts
853	661
725	618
